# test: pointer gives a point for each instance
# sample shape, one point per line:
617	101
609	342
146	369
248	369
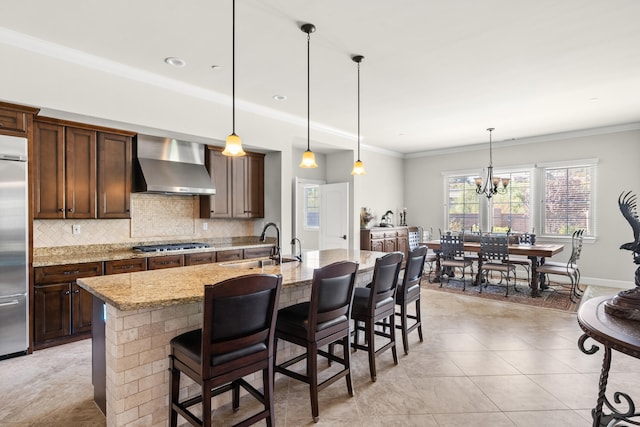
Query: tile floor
482	363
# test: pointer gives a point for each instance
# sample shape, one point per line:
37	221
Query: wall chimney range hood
169	166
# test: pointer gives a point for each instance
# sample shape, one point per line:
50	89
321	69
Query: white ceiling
436	73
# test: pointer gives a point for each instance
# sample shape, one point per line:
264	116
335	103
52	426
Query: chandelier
492	185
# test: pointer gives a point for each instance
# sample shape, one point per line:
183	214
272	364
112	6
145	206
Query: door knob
344	237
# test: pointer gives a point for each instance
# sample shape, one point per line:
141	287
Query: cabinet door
80	173
230	255
248	186
114	175
13	122
125	265
81	310
48	165
377	245
257	252
218	205
52	312
390	244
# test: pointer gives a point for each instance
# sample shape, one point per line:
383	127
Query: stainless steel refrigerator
14	307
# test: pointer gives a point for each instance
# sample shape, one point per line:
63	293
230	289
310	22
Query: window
463	205
312	206
511	210
568	200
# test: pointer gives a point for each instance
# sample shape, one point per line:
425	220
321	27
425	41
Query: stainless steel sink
255	263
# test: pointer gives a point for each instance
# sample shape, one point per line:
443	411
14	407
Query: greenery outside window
463	204
511	211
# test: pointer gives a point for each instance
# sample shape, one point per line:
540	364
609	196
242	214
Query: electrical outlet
205	225
75	229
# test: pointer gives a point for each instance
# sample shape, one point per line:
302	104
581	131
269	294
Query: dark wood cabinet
125	265
257	252
80	172
169	261
114	175
385	239
229	255
200	258
16	119
239	184
62	310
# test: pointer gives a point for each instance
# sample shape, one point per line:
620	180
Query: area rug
555	297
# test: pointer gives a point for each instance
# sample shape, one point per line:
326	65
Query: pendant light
233	146
308	158
358	166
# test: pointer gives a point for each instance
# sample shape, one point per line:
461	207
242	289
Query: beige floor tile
547	419
481	363
577	391
418	420
535	362
475	419
516	393
452	395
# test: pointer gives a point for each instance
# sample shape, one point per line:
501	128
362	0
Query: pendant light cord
308	89
233	69
358	111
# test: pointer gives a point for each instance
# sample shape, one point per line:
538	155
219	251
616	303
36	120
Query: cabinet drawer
157	263
66	273
203	258
125	265
13	121
230	255
257	252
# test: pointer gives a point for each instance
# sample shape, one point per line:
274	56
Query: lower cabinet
200	258
62	310
257	252
169	261
385	239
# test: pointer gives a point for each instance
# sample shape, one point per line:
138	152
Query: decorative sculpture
627	303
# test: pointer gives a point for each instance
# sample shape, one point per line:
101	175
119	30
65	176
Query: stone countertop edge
180	285
107	253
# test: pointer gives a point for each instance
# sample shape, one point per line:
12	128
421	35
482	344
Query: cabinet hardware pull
67	293
77	291
70	210
1	124
60	210
12	302
71	272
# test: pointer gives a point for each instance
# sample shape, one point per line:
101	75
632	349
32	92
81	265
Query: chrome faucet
293	243
275	252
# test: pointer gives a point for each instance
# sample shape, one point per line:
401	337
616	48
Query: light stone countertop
180	285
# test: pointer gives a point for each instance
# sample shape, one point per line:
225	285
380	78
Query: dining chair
323	320
494	252
408	292
452	256
568	269
375	305
236	339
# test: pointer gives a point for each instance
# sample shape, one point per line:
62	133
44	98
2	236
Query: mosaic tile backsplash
153	218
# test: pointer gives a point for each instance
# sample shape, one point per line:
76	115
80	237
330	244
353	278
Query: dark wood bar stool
408	292
375	304
236	339
324	320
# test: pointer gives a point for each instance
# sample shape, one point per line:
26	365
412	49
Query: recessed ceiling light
216	67
279	97
593	99
175	62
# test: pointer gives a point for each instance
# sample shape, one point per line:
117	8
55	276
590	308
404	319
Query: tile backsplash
154	217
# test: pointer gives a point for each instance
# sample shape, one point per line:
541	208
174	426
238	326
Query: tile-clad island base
139	313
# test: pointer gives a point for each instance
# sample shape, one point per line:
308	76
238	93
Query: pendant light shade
358	166
308	158
233	147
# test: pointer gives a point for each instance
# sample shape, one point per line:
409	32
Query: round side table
613	333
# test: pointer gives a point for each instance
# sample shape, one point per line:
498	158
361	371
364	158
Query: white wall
618	170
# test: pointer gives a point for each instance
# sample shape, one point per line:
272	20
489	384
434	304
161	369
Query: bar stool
408	292
375	304
236	339
324	320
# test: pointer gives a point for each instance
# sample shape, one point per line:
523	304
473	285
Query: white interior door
334	216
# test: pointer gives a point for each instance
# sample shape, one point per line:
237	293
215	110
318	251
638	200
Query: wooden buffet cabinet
385	239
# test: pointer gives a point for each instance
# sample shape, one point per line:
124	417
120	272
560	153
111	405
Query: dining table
537	253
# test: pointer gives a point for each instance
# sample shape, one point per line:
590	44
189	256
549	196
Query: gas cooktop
171	247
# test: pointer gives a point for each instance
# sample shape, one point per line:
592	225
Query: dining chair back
452	256
494	254
568	269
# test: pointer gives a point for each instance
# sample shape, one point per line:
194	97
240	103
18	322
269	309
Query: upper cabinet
15	119
239	184
80	172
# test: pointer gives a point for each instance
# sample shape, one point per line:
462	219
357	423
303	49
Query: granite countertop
180	285
43	257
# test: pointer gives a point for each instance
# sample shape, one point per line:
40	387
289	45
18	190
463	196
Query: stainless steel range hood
169	166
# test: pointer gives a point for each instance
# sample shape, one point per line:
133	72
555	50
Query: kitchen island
135	315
